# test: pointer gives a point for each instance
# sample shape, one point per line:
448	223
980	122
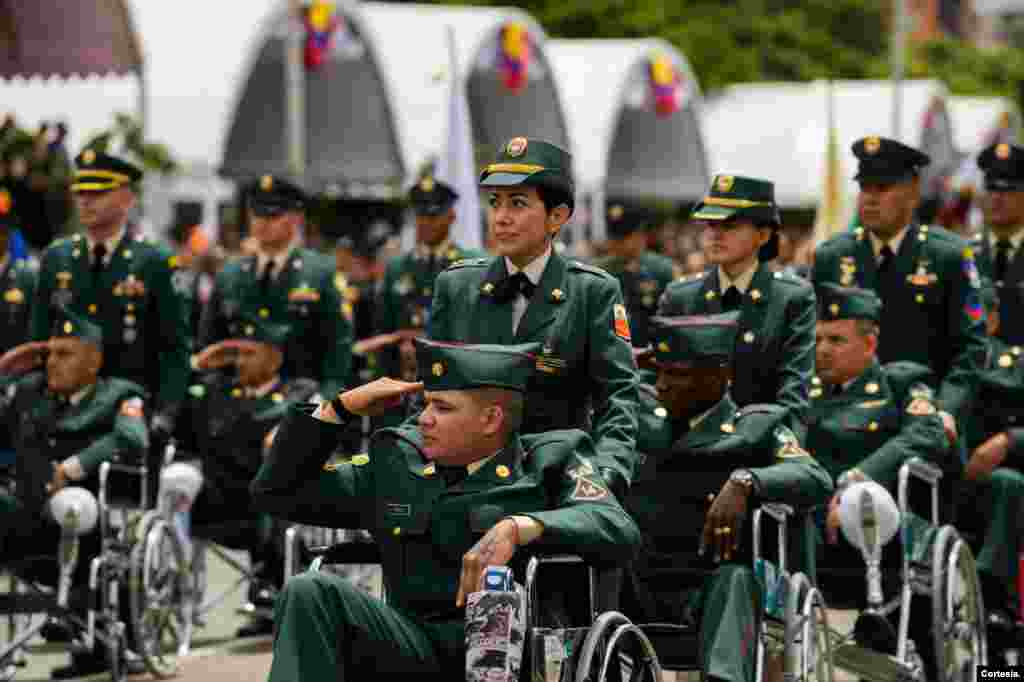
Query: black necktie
886	260
732	300
453	475
1003	248
99	253
517	284
267	277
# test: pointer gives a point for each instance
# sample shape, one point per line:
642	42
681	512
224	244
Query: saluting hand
379	396
495	548
724	521
24	358
987	457
222	353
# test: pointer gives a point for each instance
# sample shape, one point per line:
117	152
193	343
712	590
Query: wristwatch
745	478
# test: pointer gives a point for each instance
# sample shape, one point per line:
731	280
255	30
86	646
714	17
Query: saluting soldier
225	425
642	274
865	421
408	286
529	292
458	492
65	422
997	247
129	287
925	276
774	356
285	283
700	447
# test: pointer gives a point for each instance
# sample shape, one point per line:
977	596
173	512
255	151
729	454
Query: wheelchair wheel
958	612
160	588
615	650
808	644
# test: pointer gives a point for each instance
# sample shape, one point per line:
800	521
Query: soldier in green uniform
128	286
926	277
285	283
65	422
997	247
460	491
408	286
865	421
225	424
528	292
994	499
700	447
642	274
774	356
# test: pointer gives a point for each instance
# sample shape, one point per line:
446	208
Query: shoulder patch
588	490
787	444
760	408
580	266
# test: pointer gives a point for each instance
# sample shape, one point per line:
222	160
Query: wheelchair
608	646
936	564
31	606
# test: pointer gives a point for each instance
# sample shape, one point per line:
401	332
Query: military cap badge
872	144
266	183
516	146
1003	151
88	156
427	184
725	183
437	369
615	212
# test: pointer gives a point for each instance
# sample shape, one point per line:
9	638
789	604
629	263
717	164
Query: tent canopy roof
601	81
789	143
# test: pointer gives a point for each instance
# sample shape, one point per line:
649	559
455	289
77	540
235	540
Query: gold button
919	298
128	253
76	253
236	393
755	295
1015	350
488	288
502	471
728	428
922	237
92	308
748	337
264	313
660	412
429	469
873	426
396	531
815	393
277	397
871	388
1005	361
710	295
130	307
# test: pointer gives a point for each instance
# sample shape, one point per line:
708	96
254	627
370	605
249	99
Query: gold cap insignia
664	347
616	212
516	146
68	327
502	471
437	369
249	330
427	184
660	412
88	156
834	308
266	183
1005	361
1003	151
871	388
724	183
872	144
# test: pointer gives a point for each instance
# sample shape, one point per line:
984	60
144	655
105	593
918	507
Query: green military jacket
407	291
424	528
1010	291
643	282
1000	397
303	295
882	419
933	317
107	423
138	302
683	466
773	360
586	359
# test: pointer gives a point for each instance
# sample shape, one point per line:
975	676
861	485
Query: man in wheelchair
993	507
444	498
865	421
65	422
228	423
707	466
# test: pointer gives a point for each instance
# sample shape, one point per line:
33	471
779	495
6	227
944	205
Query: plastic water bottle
495	628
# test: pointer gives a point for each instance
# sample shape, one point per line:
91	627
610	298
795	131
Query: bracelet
340	411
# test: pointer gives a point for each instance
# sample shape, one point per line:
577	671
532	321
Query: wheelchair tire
808	643
616	650
160	587
958	610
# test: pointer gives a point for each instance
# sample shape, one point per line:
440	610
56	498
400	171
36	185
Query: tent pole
295	94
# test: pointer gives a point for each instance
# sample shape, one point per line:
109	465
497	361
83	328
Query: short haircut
511	402
553	198
866	327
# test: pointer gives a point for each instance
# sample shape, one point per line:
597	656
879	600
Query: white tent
779	131
621	147
377	111
978	121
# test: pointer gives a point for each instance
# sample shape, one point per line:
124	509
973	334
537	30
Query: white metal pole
899	49
295	94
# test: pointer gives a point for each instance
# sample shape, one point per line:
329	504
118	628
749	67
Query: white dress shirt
533	271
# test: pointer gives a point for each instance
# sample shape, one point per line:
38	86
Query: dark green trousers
1003	500
329	630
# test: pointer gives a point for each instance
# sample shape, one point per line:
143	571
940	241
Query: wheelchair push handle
926	472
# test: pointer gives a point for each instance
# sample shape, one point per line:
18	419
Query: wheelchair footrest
871	666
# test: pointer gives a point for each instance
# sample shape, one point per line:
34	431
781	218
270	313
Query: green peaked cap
694	341
530	162
734	197
69	324
455	366
847	303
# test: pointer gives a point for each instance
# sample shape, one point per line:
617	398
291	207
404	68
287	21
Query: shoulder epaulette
760	408
587	267
533	441
691	279
468	263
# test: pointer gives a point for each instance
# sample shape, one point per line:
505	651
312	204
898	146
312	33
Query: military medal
922	277
847	270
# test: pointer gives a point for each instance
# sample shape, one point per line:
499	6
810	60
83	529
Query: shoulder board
908	372
469	262
691	279
580	266
760	408
790	278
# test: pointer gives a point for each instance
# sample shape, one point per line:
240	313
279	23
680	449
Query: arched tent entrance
350	140
628	142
